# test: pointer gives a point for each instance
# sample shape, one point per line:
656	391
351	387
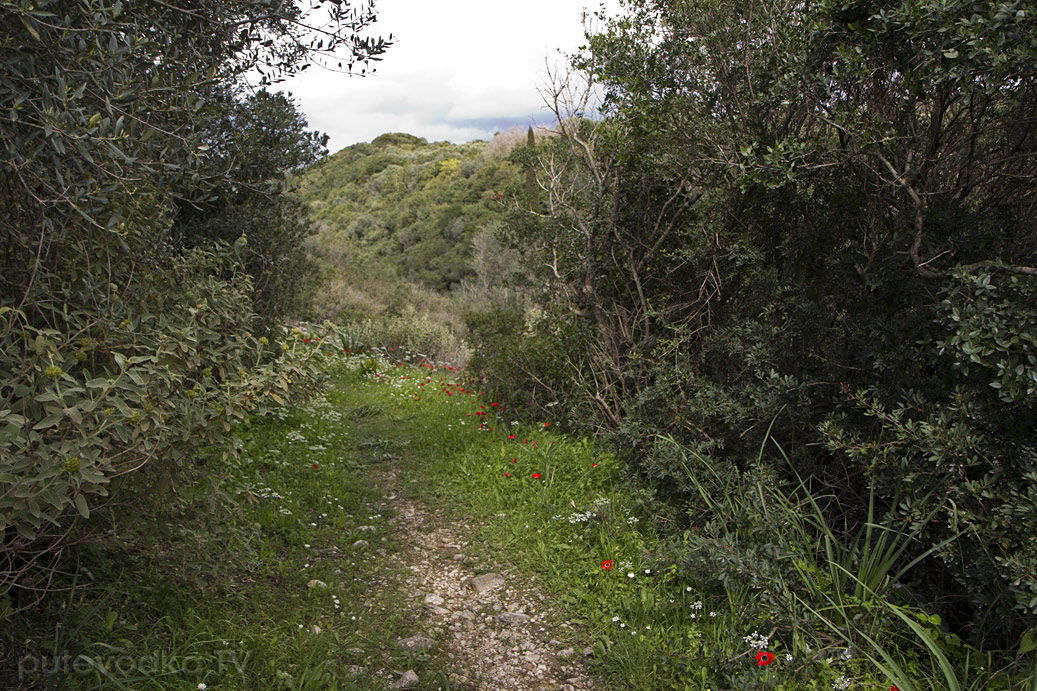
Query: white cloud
460	70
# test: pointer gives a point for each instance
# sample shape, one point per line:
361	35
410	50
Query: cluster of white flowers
841	684
697	604
632	520
267	493
575	517
757	641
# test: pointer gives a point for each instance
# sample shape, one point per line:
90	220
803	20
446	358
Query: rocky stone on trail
361	543
367	528
415	643
486	582
354	670
407	681
490	630
568	652
316	584
588	652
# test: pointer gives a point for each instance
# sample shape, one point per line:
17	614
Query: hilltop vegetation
402	219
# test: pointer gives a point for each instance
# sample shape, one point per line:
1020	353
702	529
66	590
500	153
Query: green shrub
153	386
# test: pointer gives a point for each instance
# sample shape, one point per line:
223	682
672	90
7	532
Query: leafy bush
152	387
126	318
811	209
410	331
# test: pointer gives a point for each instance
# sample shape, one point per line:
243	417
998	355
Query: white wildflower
756	641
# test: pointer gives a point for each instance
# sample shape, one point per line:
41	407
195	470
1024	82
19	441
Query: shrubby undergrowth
150	242
802	220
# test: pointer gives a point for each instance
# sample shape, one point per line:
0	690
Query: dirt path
493	631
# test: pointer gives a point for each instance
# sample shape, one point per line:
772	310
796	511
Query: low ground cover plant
252	579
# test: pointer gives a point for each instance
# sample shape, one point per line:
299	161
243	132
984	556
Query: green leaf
31	29
84	510
49	421
1028	643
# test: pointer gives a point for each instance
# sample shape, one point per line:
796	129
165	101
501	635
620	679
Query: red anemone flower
536	476
314	465
507	474
594	465
511	436
547	424
607	564
763	658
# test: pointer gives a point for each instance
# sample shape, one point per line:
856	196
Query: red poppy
511	436
607	564
763	658
513	460
547	424
594	465
507	474
536	476
893	687
314	465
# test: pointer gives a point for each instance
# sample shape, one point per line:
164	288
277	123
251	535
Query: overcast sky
460	70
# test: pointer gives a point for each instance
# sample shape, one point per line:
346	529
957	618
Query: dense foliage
148	238
812	224
401	216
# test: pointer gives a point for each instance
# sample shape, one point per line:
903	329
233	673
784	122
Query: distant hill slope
404	210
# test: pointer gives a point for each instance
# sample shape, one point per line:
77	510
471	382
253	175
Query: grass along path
325	559
354	543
